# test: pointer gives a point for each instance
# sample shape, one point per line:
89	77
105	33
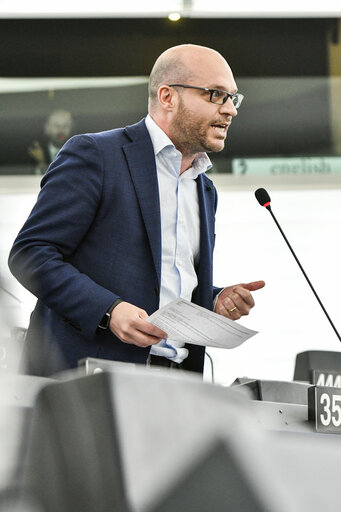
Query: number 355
331	410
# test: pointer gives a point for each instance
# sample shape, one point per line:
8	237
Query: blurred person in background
124	224
57	131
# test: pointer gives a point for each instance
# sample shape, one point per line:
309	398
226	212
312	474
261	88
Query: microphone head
263	197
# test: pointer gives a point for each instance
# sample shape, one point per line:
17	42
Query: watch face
104	323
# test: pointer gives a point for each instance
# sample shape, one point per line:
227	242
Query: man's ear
167	98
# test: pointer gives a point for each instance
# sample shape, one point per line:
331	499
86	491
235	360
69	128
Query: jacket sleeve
64	212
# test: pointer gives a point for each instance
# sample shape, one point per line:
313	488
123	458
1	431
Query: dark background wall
123	47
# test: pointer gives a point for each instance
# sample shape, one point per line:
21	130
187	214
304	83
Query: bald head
182	64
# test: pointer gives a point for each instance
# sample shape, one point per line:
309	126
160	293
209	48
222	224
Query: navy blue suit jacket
93	236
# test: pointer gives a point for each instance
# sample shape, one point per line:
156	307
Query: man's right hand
129	324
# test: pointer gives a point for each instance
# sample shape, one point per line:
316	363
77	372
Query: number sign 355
324	408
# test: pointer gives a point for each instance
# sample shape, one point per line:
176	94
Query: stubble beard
190	134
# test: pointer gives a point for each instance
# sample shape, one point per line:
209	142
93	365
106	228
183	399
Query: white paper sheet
184	321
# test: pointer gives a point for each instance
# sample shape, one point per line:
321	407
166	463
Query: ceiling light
174	16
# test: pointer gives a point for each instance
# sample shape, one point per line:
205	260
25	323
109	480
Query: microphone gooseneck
264	200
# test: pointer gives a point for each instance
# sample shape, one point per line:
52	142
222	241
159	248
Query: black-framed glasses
217	96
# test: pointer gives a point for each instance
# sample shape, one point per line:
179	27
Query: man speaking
124	224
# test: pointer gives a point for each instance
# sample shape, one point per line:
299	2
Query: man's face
58	128
199	125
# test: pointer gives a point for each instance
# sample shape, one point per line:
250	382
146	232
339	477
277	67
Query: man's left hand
236	301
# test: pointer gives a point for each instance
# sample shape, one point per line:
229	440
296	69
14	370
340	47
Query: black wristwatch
104	323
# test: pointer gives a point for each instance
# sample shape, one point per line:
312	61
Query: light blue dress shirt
180	227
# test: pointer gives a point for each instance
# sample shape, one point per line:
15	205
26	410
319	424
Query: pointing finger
254	285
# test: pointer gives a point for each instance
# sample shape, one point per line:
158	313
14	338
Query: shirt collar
160	141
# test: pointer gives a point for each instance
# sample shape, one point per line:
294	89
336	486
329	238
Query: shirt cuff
216	298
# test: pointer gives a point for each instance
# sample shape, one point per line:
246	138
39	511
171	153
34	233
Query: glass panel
94	105
287	126
284	126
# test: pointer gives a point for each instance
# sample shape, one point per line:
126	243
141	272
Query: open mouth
220	128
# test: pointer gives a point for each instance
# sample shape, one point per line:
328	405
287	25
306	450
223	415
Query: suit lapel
207	207
142	168
206	196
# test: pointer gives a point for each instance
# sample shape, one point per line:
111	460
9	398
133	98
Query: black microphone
264	200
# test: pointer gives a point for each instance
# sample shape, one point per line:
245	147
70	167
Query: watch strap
104	323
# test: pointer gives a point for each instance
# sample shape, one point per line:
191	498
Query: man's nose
228	108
